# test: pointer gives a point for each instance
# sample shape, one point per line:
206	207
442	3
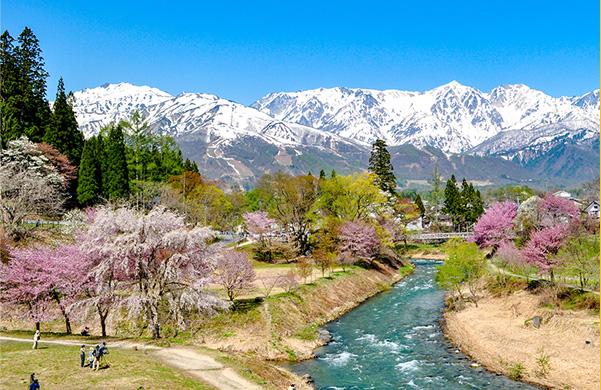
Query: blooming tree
543	247
157	259
495	225
553	210
359	239
258	223
31	183
235	273
37	276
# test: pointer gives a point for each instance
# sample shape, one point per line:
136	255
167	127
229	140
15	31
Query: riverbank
500	335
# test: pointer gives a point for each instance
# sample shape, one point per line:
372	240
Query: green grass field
58	367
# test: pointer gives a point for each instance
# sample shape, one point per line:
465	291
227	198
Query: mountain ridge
288	130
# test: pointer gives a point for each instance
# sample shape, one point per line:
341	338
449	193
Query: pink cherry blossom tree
553	210
155	258
235	273
21	289
258	223
543	247
38	276
495	225
359	239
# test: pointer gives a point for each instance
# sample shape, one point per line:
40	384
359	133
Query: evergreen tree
10	99
379	163
322	174
420	204
34	108
117	178
190	166
101	163
452	201
333	174
88	187
63	132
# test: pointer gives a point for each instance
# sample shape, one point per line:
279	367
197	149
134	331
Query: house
563	194
592	210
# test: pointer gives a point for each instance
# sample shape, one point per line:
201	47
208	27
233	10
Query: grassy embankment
563	352
58	367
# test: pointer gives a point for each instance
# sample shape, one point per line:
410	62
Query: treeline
39	141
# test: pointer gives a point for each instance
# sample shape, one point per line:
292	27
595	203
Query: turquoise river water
394	341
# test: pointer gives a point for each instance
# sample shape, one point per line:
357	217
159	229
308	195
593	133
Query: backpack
97	353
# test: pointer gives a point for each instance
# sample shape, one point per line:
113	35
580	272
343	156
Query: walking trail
201	366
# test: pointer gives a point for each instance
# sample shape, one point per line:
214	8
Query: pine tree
379	163
190	166
88	187
322	174
420	204
10	101
117	178
63	132
101	163
452	201
333	174
34	108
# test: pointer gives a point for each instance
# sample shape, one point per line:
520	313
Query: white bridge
438	236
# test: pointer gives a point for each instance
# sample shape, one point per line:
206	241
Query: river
394	341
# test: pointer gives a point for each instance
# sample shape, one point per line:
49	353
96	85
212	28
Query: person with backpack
97	356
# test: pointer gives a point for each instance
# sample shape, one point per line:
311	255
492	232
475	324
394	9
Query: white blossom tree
157	259
33	179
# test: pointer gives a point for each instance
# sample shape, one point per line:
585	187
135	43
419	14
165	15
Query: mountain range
511	135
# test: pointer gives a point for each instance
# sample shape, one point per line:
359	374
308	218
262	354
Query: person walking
82	354
36	338
91	357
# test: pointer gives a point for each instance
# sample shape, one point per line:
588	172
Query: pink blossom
235	273
359	239
494	226
544	245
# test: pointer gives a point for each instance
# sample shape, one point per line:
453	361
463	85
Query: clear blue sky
242	50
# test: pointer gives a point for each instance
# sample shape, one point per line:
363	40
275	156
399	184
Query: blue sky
242	50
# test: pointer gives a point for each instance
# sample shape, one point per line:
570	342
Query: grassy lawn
58	367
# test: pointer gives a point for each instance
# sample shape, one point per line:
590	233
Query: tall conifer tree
420	204
452	201
63	132
10	101
379	163
116	184
35	112
88	188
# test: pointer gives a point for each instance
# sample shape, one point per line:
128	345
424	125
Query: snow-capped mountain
452	117
208	128
334	128
96	107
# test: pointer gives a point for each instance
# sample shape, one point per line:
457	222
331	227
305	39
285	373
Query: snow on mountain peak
452	117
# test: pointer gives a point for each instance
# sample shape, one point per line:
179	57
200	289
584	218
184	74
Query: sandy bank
495	335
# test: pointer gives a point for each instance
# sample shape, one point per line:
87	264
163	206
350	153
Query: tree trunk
37	326
65	314
102	314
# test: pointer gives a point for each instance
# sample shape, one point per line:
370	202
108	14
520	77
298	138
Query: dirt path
201	366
